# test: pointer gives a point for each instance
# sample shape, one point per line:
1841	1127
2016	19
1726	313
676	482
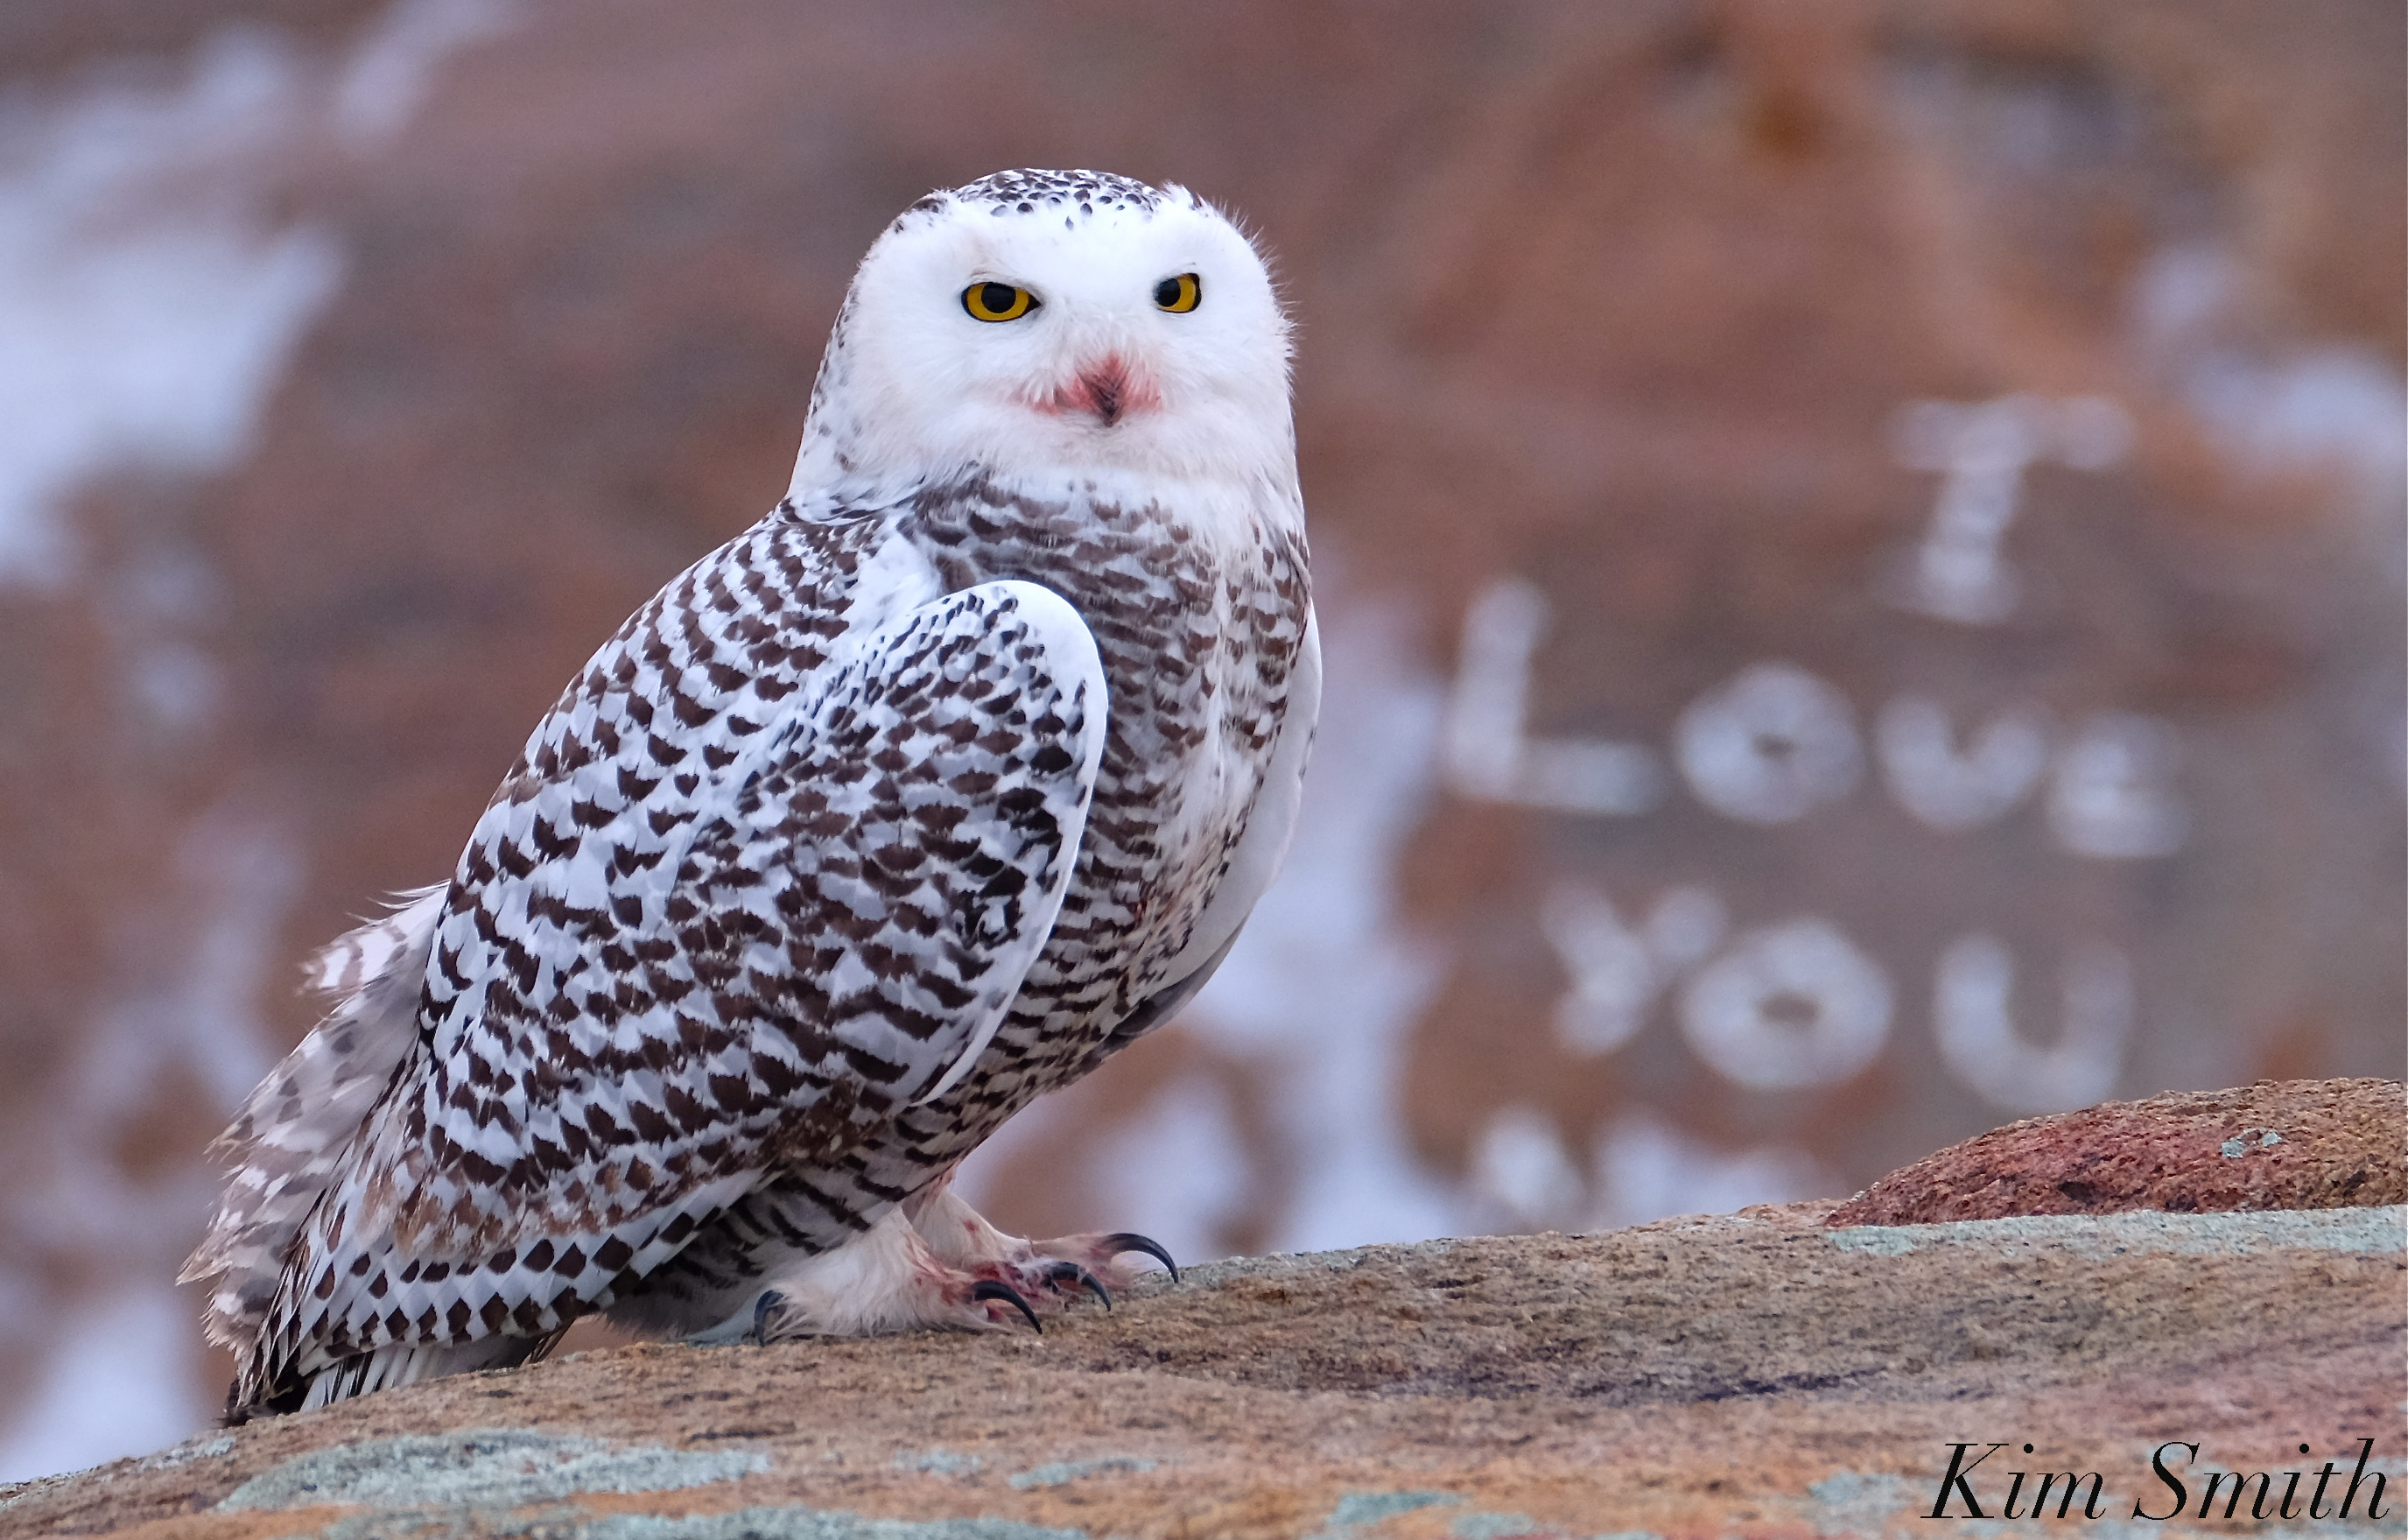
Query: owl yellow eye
1179	294
997	301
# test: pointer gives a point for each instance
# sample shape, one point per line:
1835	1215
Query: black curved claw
771	1299
1071	1272
987	1289
1128	1241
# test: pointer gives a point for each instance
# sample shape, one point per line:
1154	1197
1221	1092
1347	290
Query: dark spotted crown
1034	191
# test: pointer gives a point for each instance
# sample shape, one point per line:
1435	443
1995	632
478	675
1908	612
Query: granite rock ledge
1780	1371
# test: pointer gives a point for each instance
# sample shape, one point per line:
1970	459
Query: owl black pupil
1166	294
996	296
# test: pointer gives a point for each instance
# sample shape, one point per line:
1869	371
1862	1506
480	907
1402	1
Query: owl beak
1108	389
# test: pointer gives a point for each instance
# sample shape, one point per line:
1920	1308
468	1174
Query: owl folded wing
634	1012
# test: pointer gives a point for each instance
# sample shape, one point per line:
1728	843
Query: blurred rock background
1861	547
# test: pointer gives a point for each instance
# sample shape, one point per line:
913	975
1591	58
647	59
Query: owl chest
1197	622
1195	668
1183	765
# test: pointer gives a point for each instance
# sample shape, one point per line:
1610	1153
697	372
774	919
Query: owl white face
1083	334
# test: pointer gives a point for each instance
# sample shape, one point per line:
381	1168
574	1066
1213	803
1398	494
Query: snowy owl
956	773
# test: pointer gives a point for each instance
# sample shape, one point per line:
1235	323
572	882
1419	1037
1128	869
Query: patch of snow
205	1010
121	1381
147	304
392	71
1322	984
148	297
1178	1171
120	1378
1646	1169
2274	407
1520	1164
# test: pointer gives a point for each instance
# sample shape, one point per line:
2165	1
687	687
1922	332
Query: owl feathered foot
936	1262
775	1319
887	1279
1059	1270
1051	1272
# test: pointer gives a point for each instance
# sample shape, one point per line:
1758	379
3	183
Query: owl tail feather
291	1133
402	1363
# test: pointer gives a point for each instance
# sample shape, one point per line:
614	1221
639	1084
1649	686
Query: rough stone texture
2287	1144
1756	1374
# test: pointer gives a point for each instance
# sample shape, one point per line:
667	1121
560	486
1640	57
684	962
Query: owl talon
987	1289
771	1299
1130	1241
1071	1272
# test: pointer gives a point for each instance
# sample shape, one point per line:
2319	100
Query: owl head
1038	323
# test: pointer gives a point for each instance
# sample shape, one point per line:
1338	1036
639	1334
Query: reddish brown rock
1756	1374
2277	1144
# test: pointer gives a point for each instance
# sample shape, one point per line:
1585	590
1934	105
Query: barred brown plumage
954	775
